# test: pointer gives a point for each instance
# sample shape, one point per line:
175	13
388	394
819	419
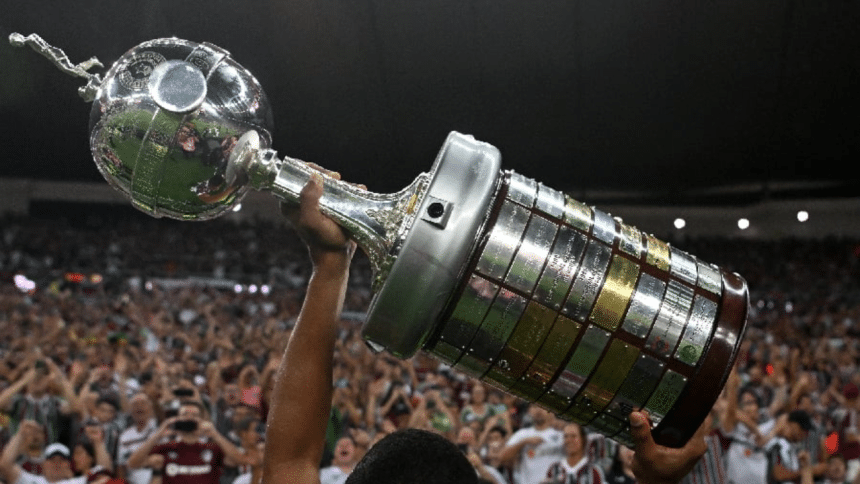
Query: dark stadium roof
671	99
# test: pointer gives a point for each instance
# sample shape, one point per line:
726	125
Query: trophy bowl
166	119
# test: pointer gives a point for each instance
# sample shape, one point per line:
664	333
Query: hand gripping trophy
501	277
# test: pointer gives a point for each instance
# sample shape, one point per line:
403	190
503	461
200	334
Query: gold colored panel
615	294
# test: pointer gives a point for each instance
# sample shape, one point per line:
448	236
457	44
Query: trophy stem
376	221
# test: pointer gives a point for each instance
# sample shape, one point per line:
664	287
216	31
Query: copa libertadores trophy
501	277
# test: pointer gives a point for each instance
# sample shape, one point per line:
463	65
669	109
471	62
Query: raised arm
301	400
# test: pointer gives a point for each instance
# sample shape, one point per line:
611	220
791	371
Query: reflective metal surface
498	275
166	118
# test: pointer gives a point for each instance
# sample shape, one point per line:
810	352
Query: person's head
413	456
35	437
106	409
574	441
466	436
191	409
496	434
539	415
83	456
243	411
344	452
57	462
479	393
748	403
141	409
799	425
247	431
836	468
231	394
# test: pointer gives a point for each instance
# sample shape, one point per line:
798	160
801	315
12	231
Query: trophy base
436	248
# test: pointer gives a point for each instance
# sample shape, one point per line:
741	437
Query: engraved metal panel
604	227
532	254
550	202
698	331
631	241
550	358
468	313
608	425
588	281
495	330
671	319
610	374
578	215
581	364
522	190
709	278
638	385
523	345
615	294
504	240
658	253
666	394
646	303
560	268
683	266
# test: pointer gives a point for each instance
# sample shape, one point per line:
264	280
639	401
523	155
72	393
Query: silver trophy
501	277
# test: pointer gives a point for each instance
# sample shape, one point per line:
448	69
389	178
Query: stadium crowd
144	351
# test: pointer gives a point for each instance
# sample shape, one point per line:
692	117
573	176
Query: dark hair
413	456
245	424
89	448
801	418
110	399
754	394
499	429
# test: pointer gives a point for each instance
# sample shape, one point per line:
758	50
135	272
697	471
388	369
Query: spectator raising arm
301	400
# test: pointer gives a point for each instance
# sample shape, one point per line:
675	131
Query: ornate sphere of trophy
501	277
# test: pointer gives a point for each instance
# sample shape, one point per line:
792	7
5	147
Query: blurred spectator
575	467
142	426
197	453
342	464
621	470
158	320
532	450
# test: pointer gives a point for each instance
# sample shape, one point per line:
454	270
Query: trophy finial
61	60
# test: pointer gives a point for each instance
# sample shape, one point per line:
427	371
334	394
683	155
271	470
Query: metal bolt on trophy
501	277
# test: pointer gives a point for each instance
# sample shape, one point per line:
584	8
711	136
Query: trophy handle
375	221
62	62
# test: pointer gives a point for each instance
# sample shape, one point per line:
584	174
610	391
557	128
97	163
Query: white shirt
243	479
534	461
333	475
746	463
27	478
129	441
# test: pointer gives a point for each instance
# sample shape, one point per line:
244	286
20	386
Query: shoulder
520	434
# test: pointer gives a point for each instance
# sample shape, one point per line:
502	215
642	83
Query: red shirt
197	463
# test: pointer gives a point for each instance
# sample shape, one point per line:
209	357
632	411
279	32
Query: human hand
655	464
319	232
206	428
94	432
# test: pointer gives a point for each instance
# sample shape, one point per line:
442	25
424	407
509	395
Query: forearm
138	458
301	399
230	450
8	467
102	457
